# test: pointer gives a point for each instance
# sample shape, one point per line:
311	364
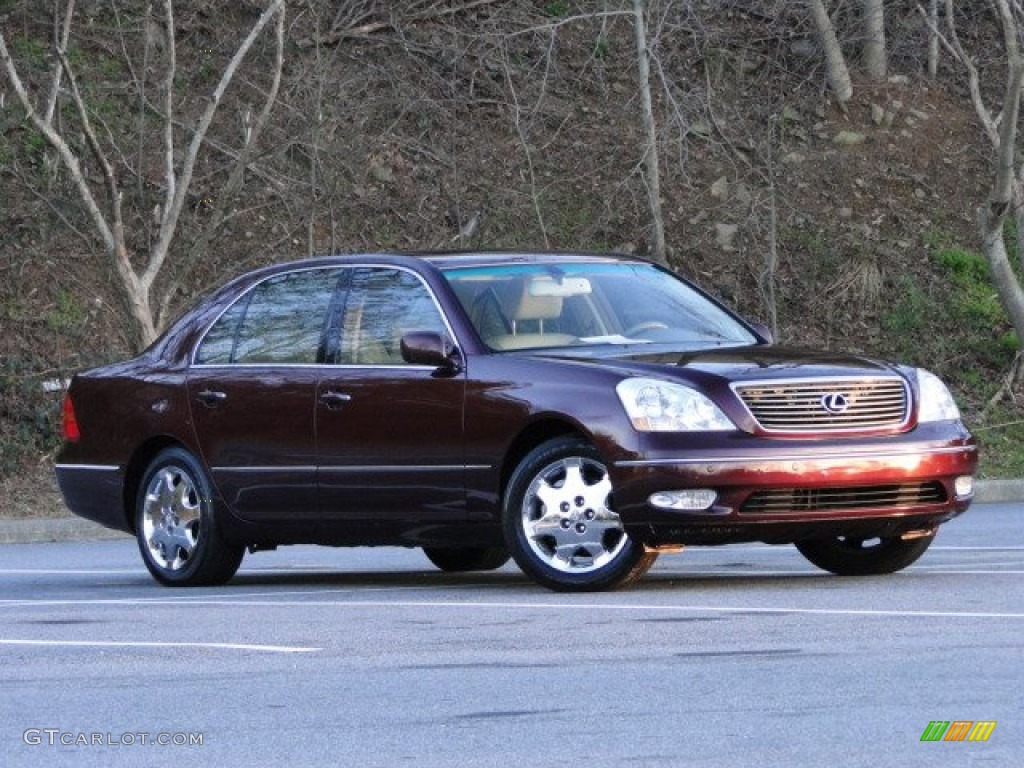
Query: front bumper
817	488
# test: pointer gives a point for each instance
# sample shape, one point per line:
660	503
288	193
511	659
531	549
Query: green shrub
556	8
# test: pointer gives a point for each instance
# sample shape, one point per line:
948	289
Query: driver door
389	433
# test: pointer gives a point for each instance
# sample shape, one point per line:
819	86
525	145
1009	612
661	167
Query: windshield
537	306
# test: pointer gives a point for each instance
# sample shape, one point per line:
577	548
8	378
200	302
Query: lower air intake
784	500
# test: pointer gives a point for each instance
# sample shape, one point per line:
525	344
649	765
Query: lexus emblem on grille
835	402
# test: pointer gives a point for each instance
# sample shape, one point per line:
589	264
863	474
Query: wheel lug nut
566	523
564	506
579	501
589	514
581	528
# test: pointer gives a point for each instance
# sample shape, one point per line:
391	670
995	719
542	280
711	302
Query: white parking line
143	644
65	571
507	606
946	570
193	598
140	571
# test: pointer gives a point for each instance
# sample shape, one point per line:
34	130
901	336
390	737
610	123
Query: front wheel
560	522
864	556
175	526
462	559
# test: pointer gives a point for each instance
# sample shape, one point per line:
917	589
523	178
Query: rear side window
279	321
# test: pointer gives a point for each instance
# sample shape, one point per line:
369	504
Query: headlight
660	406
936	402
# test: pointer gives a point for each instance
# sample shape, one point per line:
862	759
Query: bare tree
1006	197
836	71
873	18
108	218
648	167
651	162
60	36
933	38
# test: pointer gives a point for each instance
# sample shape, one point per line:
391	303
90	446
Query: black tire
543	541
461	559
176	527
860	556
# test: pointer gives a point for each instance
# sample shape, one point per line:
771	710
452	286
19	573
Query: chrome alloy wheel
170	517
567	519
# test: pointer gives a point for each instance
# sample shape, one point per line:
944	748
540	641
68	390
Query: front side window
382	305
280	321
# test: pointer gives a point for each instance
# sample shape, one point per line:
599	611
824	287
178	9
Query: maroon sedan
578	412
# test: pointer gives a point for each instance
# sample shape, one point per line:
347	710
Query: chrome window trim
338	267
318	366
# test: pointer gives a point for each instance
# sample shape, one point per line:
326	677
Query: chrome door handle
334	400
211	397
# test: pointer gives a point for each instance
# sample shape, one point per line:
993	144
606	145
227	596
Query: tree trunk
836	71
933	39
1007	193
137	295
651	133
873	14
994	247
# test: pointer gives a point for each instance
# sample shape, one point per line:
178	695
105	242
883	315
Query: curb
35	530
38	530
1000	491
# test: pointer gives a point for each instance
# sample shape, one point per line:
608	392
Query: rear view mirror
566	286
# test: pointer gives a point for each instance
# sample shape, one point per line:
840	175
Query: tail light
70	421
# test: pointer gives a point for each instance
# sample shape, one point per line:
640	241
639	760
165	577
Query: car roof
452	259
447	259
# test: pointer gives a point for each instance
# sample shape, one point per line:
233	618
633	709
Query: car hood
753	363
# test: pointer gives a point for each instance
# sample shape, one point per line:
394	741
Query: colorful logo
958	730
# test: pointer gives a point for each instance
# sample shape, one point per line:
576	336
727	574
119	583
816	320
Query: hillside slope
509	125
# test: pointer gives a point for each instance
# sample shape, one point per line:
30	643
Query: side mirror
763	331
430	348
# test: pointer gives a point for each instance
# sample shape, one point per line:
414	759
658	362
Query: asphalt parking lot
742	656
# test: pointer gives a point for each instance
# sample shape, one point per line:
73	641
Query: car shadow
377	579
510	579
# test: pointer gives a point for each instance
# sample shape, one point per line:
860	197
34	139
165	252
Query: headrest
530	307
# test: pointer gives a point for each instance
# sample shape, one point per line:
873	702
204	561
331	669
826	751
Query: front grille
783	500
827	405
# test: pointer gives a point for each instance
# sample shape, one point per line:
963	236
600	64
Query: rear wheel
560	523
460	559
862	556
175	524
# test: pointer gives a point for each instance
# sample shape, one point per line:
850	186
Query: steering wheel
646	325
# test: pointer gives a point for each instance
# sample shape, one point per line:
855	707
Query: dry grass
31	493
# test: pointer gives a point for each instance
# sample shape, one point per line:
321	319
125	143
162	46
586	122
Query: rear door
252	389
389	433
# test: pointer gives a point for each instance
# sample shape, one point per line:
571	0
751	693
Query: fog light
964	486
695	500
